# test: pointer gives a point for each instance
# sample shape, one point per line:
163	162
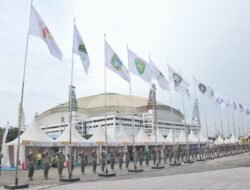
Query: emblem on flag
116	62
140	65
82	48
202	88
177	79
219	100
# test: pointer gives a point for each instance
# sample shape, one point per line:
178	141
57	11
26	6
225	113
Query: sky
206	39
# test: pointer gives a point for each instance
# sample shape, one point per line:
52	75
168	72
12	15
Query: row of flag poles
146	70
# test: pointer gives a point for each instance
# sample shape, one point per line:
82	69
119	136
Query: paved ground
224	173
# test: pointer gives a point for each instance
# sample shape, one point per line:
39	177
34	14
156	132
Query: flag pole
234	132
21	103
105	109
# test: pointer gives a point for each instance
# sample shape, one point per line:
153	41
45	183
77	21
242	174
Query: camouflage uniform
94	160
60	162
82	161
46	164
31	160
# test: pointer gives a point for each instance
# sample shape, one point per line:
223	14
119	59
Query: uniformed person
71	164
165	154
127	158
112	159
147	156
46	163
140	155
31	161
60	162
103	159
94	160
120	156
159	155
153	155
82	161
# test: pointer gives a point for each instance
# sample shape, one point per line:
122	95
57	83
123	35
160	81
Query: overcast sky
206	39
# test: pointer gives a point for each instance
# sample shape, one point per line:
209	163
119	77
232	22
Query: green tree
12	134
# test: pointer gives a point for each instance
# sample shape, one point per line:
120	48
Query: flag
241	108
138	66
38	28
220	100
204	90
80	49
114	63
180	84
157	74
234	105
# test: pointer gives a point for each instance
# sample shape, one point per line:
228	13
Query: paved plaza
223	173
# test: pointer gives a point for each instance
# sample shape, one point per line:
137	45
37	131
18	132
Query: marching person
120	156
82	161
31	161
46	163
94	160
60	162
127	158
165	154
159	155
103	159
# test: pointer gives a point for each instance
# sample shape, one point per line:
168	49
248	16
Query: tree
12	134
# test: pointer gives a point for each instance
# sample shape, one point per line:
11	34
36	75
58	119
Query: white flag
38	28
80	49
114	63
180	85
204	90
138	66
220	100
157	74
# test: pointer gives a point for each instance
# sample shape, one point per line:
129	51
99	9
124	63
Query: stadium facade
91	114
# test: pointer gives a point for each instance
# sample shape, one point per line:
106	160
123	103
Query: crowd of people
160	155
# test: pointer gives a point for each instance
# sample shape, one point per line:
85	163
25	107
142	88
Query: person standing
60	162
94	160
82	161
103	159
153	153
140	155
147	156
127	157
46	163
159	155
31	161
71	164
165	154
120	156
112	159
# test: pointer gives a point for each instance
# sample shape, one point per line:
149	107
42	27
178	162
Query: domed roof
95	104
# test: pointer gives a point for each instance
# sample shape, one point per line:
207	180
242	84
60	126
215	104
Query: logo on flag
140	65
82	48
116	62
202	88
46	33
177	79
219	100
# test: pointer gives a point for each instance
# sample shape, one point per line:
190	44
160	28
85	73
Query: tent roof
142	137
182	137
203	139
75	136
160	138
192	137
99	137
169	138
232	139
31	135
123	137
219	140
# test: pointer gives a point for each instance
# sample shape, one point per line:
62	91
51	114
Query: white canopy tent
182	138
169	139
219	140
142	138
192	138
98	138
123	137
76	138
160	138
32	136
203	139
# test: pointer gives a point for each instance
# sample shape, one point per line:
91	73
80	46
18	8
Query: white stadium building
91	114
